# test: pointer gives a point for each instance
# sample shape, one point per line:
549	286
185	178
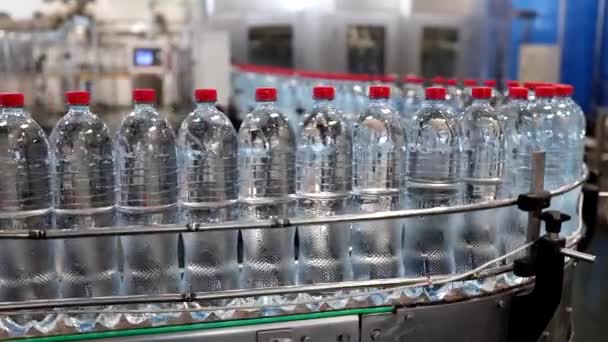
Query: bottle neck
205	106
78	109
265	103
323	102
435	101
517	101
143	106
482	101
15	111
377	101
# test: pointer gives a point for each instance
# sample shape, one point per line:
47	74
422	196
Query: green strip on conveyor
205	326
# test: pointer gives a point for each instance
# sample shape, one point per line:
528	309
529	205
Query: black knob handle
553	220
534	201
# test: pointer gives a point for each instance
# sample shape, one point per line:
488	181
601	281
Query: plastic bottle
496	97
432	180
467	98
531	86
147	195
413	94
266	164
483	176
346	103
378	162
207	144
27	269
522	128
573	156
578	125
324	184
505	94
438	81
553	136
454	95
84	191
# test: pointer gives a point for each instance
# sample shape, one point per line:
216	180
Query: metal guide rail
492	277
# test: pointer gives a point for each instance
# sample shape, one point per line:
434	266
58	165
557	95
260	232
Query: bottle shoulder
323	122
200	123
88	128
267	124
146	126
21	130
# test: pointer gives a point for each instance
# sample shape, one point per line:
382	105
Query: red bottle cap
413	79
518	93
13	100
79	98
512	83
481	92
144	95
469	82
435	93
564	89
438	80
205	95
452	82
545	91
379	92
323	93
490	83
266	94
530	85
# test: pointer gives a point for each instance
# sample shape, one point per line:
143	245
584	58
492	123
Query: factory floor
590	300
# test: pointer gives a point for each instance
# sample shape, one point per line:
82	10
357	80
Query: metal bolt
501	304
376	334
306	339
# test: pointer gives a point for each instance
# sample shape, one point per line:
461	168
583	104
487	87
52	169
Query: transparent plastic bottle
576	138
84	191
266	163
521	127
346	103
147	195
207	144
378	163
573	155
454	95
496	97
484	140
505	94
438	81
27	268
432	180
553	136
531	86
467	97
324	184
413	95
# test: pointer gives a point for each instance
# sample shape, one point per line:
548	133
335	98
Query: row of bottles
209	173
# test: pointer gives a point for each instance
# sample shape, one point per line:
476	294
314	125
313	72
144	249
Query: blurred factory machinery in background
111	47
